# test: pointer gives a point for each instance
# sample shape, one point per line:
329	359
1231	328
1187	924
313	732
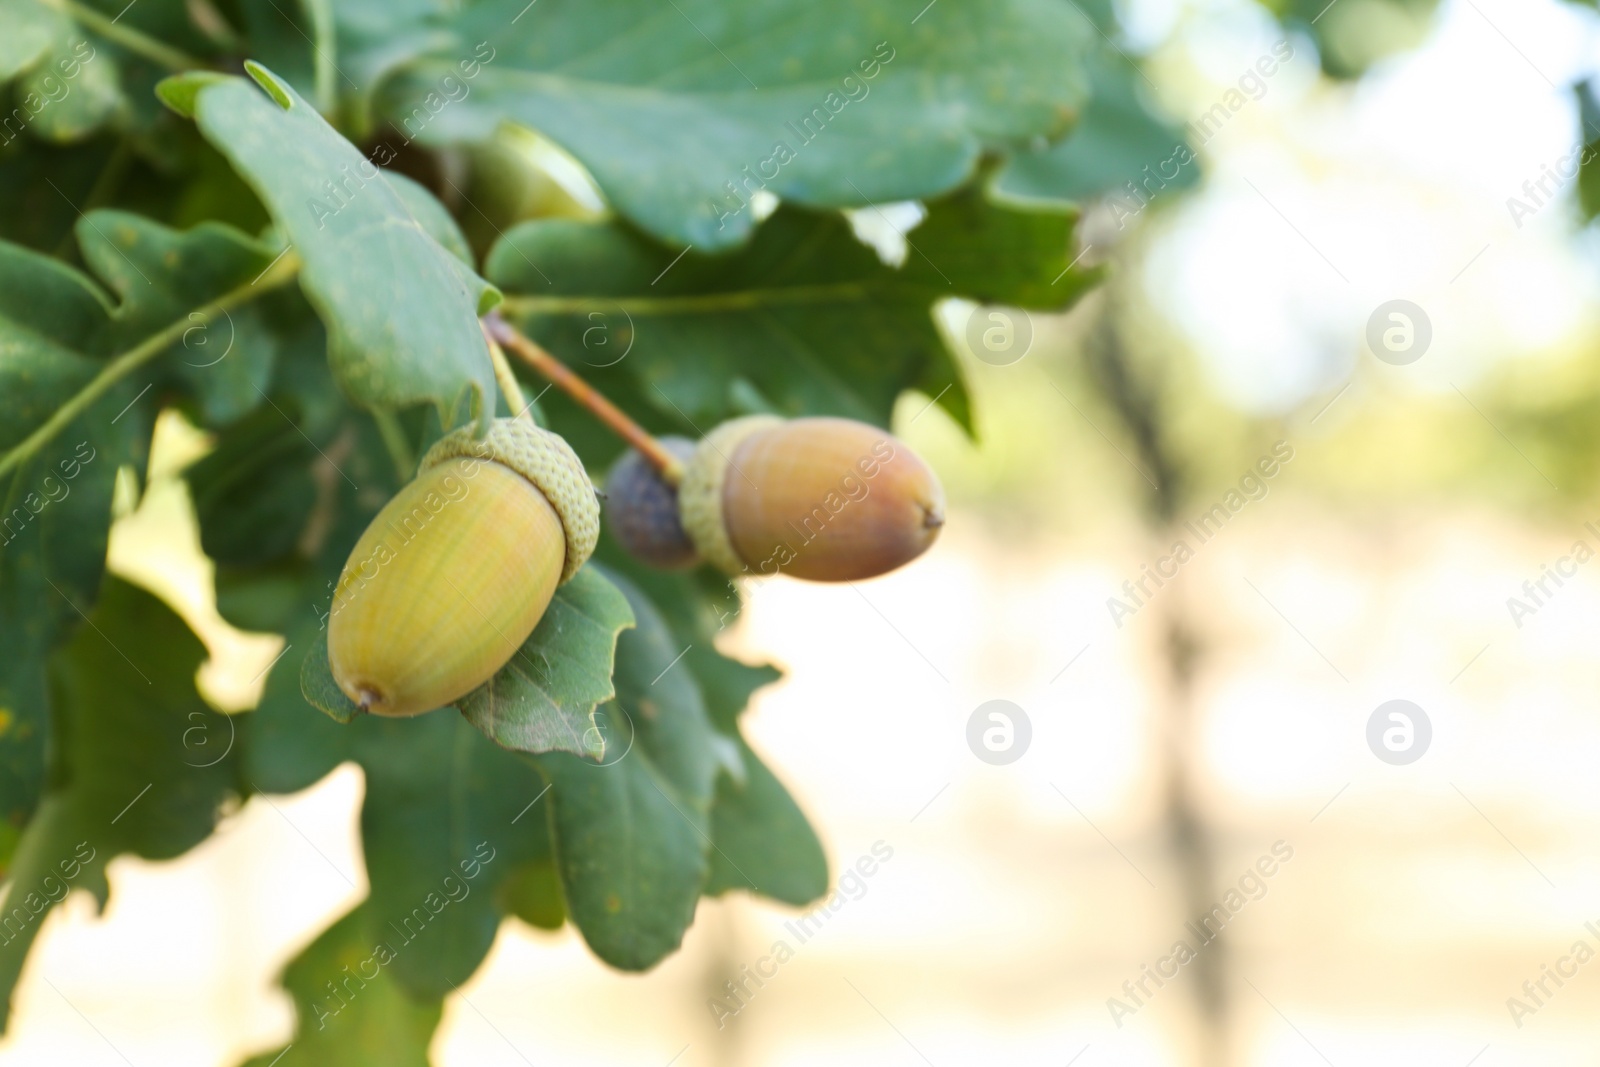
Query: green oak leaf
631	833
630	847
133	767
727	683
805	314
55	510
533	894
32	30
448	816
659	696
366	1020
1120	140
289	743
66	87
401	310
317	684
72	91
544	699
55	327
431	216
254	493
681	111
764	842
159	274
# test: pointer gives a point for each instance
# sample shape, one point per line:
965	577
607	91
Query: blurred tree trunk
1138	404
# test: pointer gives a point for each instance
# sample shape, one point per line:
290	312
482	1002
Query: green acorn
455	572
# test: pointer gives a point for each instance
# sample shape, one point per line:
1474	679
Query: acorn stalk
455	572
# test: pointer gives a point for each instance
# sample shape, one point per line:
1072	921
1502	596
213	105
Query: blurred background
1168	745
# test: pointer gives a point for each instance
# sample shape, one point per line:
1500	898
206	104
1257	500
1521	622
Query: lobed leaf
761	840
364	1020
805	317
66	87
1121	141
160	274
141	764
764	842
682	111
631	851
544	699
55	510
448	818
401	311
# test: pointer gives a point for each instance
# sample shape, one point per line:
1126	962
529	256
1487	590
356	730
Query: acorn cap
700	492
544	459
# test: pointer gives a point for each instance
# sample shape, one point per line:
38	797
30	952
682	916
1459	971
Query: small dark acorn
641	510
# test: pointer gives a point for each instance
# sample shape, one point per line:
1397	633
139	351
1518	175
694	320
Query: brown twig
581	391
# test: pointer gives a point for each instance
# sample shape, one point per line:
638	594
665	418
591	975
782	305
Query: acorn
455	572
641	509
826	499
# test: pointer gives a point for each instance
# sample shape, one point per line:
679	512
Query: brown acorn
454	573
826	499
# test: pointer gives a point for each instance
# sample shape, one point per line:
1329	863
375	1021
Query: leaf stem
321	14
119	367
614	418
394	440
128	37
506	379
695	303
